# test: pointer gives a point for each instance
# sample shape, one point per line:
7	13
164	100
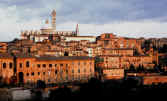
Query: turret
77	30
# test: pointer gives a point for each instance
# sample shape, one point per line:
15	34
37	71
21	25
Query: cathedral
48	31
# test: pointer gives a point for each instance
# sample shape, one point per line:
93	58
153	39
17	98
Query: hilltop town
60	57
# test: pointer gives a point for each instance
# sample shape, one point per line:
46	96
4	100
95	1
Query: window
32	73
21	65
50	65
67	77
56	72
78	70
106	42
66	70
66	65
4	65
61	65
27	64
10	65
38	65
72	77
27	74
72	70
38	73
79	77
107	36
44	65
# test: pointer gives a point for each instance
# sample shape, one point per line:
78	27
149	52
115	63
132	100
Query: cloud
134	18
11	23
147	29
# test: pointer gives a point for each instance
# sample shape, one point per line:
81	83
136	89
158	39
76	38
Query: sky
128	18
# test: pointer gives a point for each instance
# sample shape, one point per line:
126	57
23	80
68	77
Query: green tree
99	69
140	68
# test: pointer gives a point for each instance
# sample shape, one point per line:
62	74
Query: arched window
4	65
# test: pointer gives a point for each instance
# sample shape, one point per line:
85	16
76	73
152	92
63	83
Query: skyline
133	18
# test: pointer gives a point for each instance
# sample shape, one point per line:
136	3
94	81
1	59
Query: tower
77	30
54	19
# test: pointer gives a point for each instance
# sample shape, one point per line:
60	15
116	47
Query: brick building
120	53
117	53
54	69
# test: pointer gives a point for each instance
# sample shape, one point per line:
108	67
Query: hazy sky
132	18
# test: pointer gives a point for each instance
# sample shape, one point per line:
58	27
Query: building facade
6	67
54	69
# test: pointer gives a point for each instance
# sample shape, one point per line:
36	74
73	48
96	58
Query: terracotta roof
118	48
5	55
47	58
24	56
83	36
109	56
123	56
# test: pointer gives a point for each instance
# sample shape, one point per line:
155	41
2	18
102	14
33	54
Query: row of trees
148	43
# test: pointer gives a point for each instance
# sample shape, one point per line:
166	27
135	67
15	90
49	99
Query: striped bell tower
54	19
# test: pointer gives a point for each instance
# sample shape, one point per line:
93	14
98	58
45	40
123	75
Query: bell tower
54	19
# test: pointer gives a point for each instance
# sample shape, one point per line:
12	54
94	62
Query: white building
80	38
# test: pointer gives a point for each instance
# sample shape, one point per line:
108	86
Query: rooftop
45	58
